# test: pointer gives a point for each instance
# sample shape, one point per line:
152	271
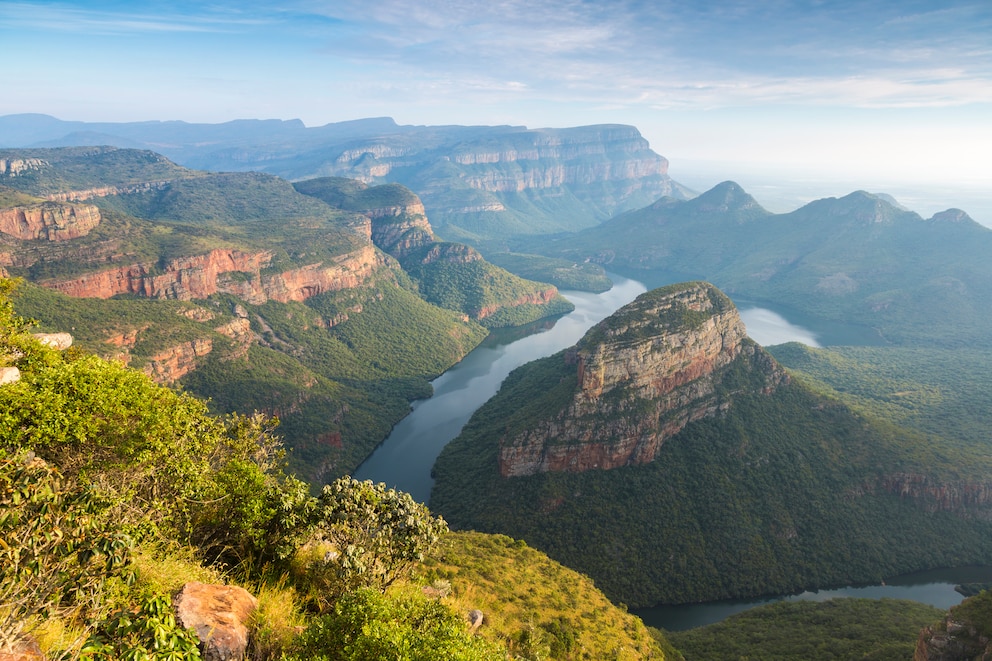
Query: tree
364	535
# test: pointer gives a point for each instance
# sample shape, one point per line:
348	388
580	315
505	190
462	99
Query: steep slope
671	459
246	290
478	183
857	259
450	275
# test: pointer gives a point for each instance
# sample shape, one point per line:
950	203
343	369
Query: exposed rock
542	297
60	341
25	649
9	375
240	331
12	167
457	253
219	615
641	376
475	619
398	230
935	495
196	314
49	221
106	191
200	276
176	362
962	636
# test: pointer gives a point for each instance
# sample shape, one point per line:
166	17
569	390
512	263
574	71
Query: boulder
219	615
9	375
475	619
60	341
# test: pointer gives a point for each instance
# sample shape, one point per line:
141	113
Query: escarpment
640	377
227	271
51	221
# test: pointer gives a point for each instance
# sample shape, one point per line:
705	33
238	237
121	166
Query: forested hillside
116	491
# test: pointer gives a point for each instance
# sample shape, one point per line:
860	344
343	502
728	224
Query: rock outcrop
641	376
51	221
176	362
962	636
12	167
219	615
200	276
936	495
400	229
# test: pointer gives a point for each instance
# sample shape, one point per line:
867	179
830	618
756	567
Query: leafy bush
150	633
366	624
364	535
55	552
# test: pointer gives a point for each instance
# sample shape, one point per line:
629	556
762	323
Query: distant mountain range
859	259
479	184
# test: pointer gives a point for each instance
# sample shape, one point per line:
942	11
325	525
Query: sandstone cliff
641	376
50	221
226	271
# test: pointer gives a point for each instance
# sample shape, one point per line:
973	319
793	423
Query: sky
828	93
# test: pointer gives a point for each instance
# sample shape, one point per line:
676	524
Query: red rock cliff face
642	375
201	276
51	221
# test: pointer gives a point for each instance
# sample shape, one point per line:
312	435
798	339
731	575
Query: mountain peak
641	375
953	216
728	196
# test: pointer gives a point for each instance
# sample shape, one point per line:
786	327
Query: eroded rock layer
641	376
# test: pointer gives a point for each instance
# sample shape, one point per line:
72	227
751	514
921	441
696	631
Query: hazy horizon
888	93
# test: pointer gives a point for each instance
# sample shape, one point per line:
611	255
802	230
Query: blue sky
895	89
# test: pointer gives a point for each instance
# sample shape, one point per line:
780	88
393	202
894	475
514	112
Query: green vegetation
781	492
354	195
564	616
114	490
941	392
485	292
583	276
449	275
838	629
82	168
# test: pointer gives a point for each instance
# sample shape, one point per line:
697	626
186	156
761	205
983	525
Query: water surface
405	459
934	587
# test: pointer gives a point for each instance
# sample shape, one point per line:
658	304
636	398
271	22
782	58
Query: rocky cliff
540	158
641	376
226	271
400	229
50	221
963	635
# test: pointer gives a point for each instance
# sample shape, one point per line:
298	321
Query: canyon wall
226	271
49	221
641	376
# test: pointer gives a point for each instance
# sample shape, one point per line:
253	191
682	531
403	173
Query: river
405	459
